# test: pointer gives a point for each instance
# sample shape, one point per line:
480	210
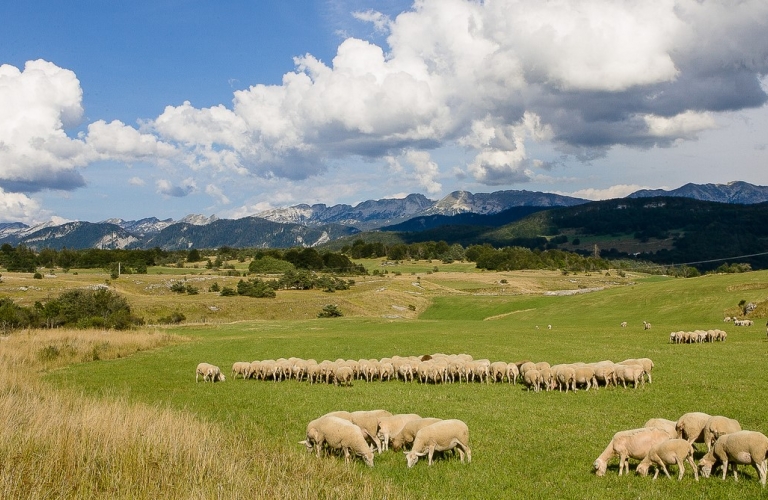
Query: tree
194	255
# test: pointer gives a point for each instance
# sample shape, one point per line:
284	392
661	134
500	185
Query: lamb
663	424
210	373
742	447
623	324
646	325
408	433
390	426
338	434
691	425
633	443
441	436
671	451
718	426
241	368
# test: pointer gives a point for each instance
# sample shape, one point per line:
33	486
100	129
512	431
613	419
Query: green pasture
524	445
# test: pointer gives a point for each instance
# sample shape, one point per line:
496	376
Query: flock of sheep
441	368
697	336
661	442
359	433
738	322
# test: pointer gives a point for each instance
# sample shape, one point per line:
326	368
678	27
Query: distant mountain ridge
737	192
311	225
373	214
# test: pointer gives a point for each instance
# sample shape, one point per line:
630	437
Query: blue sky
166	108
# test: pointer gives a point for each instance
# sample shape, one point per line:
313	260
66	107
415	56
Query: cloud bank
487	77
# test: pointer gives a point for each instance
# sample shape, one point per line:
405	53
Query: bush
330	311
173	319
37	276
228	292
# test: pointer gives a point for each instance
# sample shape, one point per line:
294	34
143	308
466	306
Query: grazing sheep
623	324
210	373
718	426
566	376
368	420
547	378
512	373
663	424
633	443
742	447
671	451
390	426
440	436
408	433
727	319
532	379
343	376
498	371
241	368
585	375
629	373
646	325
691	425
338	434
605	372
646	363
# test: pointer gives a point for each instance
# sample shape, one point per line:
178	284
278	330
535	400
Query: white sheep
566	376
241	368
718	426
498	371
662	423
623	324
408	433
368	420
532	379
690	426
343	376
512	373
338	434
646	325
742	447
440	436
669	452
391	426
210	373
629	373
646	363
633	443
585	375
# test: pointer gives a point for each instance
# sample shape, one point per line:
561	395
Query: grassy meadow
524	445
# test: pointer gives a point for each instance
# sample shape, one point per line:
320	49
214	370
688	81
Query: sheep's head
642	468
368	458
411	458
600	467
706	464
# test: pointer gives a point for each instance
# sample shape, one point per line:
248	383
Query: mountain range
312	225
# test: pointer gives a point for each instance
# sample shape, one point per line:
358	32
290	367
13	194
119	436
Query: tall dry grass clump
56	444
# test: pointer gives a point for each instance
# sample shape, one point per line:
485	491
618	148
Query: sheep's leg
693	466
431	452
655	471
622	459
680	468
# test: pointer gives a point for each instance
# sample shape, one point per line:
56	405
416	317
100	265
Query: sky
165	108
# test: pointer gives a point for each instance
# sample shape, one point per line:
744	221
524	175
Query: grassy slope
524	444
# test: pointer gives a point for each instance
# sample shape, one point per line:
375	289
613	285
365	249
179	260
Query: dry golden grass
57	444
